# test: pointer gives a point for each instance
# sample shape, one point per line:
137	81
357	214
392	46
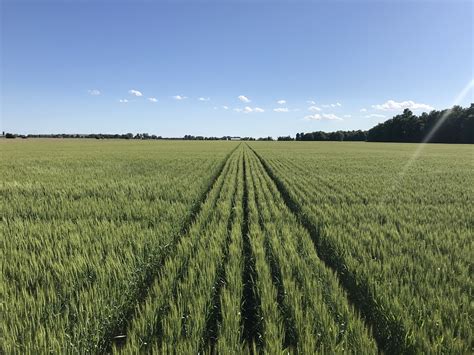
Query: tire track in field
388	334
290	336
150	329
115	330
208	334
250	304
214	318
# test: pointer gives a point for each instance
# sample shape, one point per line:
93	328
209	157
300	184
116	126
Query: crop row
245	276
399	237
181	301
313	308
83	233
232	273
218	248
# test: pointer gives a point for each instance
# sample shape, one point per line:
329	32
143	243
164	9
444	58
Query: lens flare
462	94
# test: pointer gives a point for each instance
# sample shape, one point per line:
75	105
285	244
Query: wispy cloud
347	116
311	102
152	99
135	92
331	116
204	99
324	116
124	101
248	109
281	109
179	97
375	115
315	117
225	107
94	92
363	109
337	104
244	98
392	105
281	102
314	109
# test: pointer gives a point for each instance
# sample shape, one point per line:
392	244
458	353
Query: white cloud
225	107
204	99
331	116
152	99
315	117
347	116
179	97
337	104
363	109
311	102
314	108
124	101
375	115
94	92
244	98
324	116
392	105
281	109
135	92
248	109
281	102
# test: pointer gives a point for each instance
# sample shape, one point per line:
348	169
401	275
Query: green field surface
117	246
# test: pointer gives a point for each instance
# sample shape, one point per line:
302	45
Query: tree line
92	135
332	136
454	125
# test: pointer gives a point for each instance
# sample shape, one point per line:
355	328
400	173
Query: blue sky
142	66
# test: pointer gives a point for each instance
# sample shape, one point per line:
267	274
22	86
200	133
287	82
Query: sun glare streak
462	94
